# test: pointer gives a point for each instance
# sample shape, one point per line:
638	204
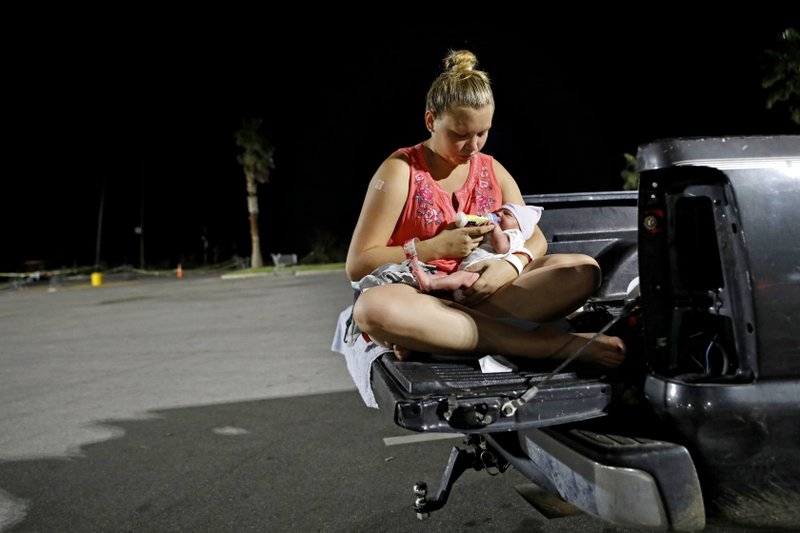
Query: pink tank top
429	208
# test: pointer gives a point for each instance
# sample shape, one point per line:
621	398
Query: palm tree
629	174
782	79
256	160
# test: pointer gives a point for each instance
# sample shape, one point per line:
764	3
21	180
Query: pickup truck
703	418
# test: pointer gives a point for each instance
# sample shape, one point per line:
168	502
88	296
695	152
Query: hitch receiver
475	455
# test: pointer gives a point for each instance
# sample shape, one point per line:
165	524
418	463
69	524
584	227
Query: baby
515	225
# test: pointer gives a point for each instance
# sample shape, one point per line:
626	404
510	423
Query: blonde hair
459	85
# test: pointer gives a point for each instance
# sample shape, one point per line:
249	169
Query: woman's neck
440	169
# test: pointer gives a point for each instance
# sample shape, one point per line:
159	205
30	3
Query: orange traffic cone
180	271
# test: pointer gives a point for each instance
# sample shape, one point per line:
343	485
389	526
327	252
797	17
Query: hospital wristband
515	262
526	253
410	248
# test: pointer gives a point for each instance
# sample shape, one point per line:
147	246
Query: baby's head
521	217
506	219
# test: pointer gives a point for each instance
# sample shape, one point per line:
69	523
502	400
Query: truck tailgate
454	395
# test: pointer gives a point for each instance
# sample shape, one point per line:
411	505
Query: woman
412	201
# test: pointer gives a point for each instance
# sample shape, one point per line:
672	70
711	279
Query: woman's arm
382	207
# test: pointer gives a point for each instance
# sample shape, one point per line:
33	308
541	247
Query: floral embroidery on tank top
483	192
426	209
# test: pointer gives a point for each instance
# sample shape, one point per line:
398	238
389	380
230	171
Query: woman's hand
453	243
494	273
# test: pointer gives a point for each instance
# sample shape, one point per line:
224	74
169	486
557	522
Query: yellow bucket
97	279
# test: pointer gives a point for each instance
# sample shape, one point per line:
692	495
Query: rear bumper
627	482
745	440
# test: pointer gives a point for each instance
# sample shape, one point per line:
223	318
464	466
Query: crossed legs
548	289
398	316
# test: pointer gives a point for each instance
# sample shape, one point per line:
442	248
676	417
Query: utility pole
140	229
100	226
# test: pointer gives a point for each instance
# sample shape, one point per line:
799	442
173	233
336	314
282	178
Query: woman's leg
549	288
397	315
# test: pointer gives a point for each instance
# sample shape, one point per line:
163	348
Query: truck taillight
653	220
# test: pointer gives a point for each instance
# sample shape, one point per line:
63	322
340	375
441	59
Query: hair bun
460	60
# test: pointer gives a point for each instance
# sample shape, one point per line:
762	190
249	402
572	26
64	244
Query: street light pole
100	225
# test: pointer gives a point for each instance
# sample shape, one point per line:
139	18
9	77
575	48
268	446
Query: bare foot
401	352
422	277
460	279
604	350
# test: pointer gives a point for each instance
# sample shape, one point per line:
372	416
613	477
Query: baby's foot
460	279
422	277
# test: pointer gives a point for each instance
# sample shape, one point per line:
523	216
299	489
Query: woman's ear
430	118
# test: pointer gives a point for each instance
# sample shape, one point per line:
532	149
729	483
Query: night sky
146	111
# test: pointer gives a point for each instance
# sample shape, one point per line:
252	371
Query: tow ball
476	455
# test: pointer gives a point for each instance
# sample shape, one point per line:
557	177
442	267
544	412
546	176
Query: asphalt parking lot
211	405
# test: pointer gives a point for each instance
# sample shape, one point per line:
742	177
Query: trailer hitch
476	455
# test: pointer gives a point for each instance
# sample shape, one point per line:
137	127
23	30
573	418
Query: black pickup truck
703	418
